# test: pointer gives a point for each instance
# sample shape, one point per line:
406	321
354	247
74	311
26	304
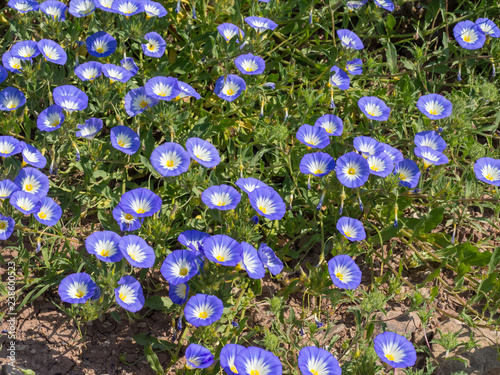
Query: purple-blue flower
54	9
77	288
70	98
23	6
339	78
154	9
318	164
50	212
430	139
50	119
129	294
7	225
268	203
81	8
221	197
127	222
11	99
488	170
228	355
222	249
7	188
137	251
230	87
374	108
229	31
261	24
116	73
9	146
104	245
355	67
434	106
52	51
344	272
179	266
385	4
395	350
269	259
137	101
90	128
250	64
125	139
316	361
89	71
25	50
162	88
140	202
198	356
32	181
178	293
381	164
313	136
249	184
203	310
155	46
352	170
32	156
170	159
202	152
430	156
128	7
349	39
101	44
469	35
408	173
25	202
352	229
367	146
192	239
253	360
488	27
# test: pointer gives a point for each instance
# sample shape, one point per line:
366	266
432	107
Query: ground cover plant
276	183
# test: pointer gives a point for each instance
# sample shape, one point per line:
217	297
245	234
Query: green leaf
392	56
158	303
391	22
153	360
494	260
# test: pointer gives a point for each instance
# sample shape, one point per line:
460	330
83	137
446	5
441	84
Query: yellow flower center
347	234
233	369
402	177
42	215
374	168
318	171
140	210
183	272
128	217
162	93
433	112
489	177
230	92
79	293
351	171
221	204
55	123
151	47
16	66
122	296
314	372
11	105
143	104
254	372
371	113
29	187
220	258
340	276
132	257
105	253
170	163
263	209
100	49
121	143
3	225
466	39
203	315
390	357
249	69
